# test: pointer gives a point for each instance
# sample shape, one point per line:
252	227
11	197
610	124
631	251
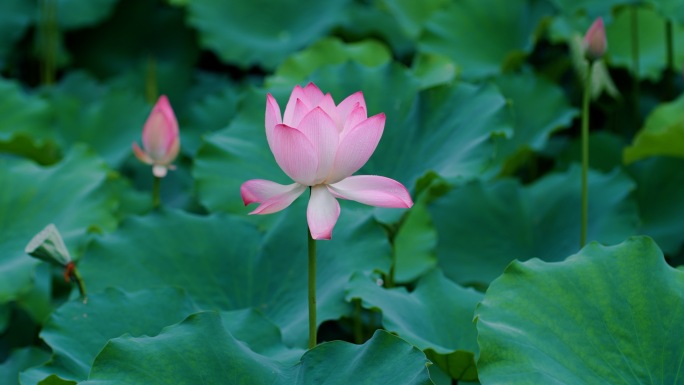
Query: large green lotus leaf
72	194
592	8
662	134
208	106
382	359
19	360
213	354
224	262
328	51
109	120
22	114
670	9
539	108
659	192
136	33
433	70
362	19
652	42
77	331
15	18
412	15
605	151
414	245
482	227
263	32
484	36
607	315
212	351
73	14
446	129
436	317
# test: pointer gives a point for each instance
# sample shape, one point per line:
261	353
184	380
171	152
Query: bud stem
585	155
312	290
156	198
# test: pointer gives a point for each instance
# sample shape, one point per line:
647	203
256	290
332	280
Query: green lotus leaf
662	134
22	114
540	108
652	42
261	33
482	227
229	264
660	187
670	9
73	14
361	20
77	331
414	245
19	360
412	15
209	106
108	120
328	51
382	359
436	317
605	151
606	315
482	37
15	18
72	194
591	8
141	40
213	354
433	70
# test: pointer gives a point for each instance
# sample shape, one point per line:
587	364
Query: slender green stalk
48	41
358	325
389	279
151	89
585	155
669	70
73	273
635	58
312	290
156	196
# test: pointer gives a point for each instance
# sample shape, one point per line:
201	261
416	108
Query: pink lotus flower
320	145
160	139
595	43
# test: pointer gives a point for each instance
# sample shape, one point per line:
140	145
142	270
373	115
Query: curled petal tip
141	154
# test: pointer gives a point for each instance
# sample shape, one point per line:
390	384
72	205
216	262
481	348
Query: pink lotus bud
161	141
595	43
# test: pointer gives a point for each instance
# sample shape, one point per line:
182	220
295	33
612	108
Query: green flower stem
358	326
79	282
585	155
635	59
48	40
669	70
151	89
156	198
389	280
312	290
